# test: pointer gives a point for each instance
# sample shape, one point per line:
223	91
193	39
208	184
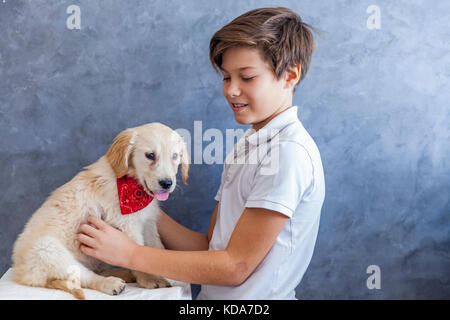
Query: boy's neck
259	125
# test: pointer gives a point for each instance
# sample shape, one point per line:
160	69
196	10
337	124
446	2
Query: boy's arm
175	236
252	238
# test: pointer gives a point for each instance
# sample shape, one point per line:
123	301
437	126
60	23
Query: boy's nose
233	91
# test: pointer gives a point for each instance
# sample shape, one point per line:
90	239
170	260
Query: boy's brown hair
279	34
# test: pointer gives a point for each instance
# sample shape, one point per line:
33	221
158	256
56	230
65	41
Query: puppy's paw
112	286
151	281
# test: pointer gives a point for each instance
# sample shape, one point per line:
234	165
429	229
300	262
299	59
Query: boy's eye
244	79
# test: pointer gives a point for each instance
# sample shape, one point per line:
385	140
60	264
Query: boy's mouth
238	107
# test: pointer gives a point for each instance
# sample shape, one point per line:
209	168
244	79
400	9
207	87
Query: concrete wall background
375	101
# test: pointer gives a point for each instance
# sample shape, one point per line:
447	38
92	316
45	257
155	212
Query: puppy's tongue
162	196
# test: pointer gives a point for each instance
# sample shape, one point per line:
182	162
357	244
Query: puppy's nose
166	184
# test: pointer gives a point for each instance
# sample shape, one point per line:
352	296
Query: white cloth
277	168
10	290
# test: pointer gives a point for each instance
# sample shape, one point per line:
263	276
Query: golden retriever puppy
47	253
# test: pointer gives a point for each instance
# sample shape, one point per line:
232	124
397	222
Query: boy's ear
292	76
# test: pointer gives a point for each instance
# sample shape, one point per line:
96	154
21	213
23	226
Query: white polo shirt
277	168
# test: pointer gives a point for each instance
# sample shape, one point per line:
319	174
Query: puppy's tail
68	286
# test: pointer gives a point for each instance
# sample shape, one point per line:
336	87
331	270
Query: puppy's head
151	154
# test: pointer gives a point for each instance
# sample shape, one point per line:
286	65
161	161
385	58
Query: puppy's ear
119	154
185	163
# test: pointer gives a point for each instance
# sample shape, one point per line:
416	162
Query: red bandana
132	197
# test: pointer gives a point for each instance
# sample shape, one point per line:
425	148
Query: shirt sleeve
284	177
219	192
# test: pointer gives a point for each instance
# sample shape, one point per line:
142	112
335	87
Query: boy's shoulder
294	141
296	133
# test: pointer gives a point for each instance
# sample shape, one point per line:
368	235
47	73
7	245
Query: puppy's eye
150	156
175	156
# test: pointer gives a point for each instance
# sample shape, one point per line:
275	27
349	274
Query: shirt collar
272	128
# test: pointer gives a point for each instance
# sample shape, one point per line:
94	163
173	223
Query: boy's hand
106	243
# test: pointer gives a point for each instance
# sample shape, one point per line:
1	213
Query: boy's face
251	88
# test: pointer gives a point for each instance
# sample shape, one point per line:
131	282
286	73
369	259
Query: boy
263	229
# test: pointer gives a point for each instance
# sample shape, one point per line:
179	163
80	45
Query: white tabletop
9	290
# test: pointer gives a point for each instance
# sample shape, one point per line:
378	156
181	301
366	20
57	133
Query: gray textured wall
375	100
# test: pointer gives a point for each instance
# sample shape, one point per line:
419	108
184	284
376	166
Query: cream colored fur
47	253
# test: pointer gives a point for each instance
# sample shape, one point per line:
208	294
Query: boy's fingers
87	250
99	223
86	240
89	230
